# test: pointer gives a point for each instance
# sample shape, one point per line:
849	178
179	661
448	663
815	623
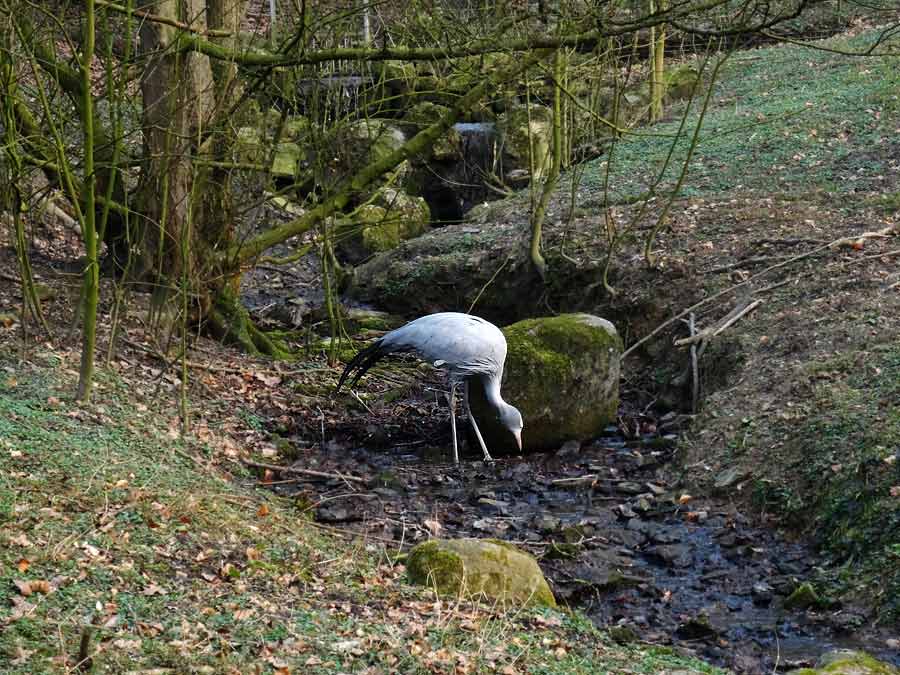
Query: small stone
655	489
762	593
629	487
696	628
673	555
569	448
642	504
493	506
625	511
546	523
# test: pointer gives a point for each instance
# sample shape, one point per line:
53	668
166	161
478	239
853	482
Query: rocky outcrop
480	568
390	218
562	373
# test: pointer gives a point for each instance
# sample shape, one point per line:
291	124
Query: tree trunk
186	200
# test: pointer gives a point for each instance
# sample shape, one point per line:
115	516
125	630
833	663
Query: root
230	321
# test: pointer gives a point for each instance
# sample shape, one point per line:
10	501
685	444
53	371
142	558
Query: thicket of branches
129	111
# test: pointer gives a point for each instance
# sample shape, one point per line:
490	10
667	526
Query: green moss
473	568
562	374
803	597
680	82
845	662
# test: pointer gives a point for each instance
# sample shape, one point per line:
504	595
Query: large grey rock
562	373
474	568
380	225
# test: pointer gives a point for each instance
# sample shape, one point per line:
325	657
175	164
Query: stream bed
614	538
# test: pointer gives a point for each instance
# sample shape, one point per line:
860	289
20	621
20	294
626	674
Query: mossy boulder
354	145
381	225
680	82
848	662
287	157
562	373
393	88
248	145
422	115
480	568
526	134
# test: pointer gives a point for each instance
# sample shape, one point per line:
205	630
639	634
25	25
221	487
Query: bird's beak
518	435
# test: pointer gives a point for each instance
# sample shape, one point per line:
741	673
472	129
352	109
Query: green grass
783	119
140	535
838	473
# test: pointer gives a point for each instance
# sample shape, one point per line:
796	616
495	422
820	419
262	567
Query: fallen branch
302	472
729	321
715	296
578	481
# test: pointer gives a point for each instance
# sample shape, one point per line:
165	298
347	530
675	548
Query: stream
614	538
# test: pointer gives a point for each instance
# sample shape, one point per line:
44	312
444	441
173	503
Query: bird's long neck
492	392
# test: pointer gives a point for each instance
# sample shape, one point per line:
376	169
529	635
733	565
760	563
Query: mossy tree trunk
657	62
185	195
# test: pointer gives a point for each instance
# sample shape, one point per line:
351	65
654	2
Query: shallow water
618	544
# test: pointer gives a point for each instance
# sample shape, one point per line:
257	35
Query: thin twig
729	321
302	472
695	369
746	282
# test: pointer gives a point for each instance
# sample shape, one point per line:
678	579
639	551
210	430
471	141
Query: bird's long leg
453	386
487	455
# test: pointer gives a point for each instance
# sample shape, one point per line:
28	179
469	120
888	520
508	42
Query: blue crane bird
466	346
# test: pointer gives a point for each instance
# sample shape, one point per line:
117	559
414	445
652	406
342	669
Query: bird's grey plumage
465	346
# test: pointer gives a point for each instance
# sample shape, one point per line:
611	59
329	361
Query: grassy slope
812	417
179	568
783	119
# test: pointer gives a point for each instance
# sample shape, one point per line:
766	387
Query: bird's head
510	417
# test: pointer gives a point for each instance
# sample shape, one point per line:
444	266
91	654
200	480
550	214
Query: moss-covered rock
449	146
804	596
392	217
394	87
848	662
248	145
680	82
475	568
287	156
562	373
354	145
526	135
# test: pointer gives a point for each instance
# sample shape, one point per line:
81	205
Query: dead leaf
262	511
153	589
23	586
243	614
252	553
684	499
21	607
21	540
895	491
433	526
127	645
41	586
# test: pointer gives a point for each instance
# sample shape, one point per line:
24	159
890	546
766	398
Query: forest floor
133	547
161	550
